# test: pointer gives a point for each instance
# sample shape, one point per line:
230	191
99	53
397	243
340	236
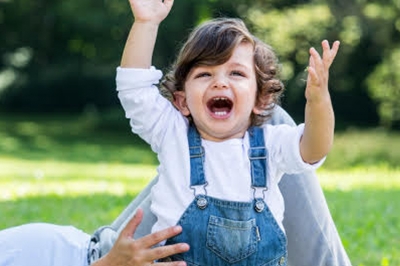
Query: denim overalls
222	232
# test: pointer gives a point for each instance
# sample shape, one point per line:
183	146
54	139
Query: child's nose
220	82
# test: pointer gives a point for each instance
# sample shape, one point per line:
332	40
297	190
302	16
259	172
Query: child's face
221	98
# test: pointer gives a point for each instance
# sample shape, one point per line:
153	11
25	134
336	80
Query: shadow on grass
368	221
84	212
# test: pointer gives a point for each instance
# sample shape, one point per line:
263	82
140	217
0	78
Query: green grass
364	205
83	170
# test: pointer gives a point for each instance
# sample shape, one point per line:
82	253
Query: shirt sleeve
284	142
150	114
143	78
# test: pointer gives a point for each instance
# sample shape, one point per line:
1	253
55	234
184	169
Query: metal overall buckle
260	203
201	199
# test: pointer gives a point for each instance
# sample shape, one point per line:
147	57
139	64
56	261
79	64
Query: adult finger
168	250
133	223
175	263
157	237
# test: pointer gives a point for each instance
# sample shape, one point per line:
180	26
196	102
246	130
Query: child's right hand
153	11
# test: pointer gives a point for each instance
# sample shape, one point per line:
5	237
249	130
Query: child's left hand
318	71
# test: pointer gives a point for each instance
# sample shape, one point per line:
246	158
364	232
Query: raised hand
140	44
153	11
318	134
318	71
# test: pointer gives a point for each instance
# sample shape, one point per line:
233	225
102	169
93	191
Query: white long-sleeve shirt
226	166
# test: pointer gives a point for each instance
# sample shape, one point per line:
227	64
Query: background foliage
61	55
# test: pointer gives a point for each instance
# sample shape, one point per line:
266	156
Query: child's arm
318	134
139	46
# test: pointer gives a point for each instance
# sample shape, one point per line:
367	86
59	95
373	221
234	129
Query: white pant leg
311	232
43	245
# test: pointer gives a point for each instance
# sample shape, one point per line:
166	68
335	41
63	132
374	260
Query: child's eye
238	73
202	74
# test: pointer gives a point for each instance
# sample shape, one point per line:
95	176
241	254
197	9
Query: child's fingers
311	61
311	69
312	76
335	47
328	53
316	61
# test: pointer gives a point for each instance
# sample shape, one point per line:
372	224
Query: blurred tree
378	25
61	56
384	82
384	85
58	55
293	29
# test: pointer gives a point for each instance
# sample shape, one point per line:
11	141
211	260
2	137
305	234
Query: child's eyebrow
239	64
235	64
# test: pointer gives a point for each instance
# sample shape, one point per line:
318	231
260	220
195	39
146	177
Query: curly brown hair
212	43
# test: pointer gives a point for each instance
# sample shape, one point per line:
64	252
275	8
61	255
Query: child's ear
257	110
262	104
180	102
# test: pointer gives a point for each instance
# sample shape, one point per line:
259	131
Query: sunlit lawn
84	170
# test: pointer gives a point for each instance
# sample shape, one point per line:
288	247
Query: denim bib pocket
232	240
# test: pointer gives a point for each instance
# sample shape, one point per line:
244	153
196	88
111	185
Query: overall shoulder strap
258	155
197	156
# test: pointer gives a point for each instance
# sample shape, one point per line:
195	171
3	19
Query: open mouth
220	106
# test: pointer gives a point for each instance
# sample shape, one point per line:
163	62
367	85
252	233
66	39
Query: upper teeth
220	99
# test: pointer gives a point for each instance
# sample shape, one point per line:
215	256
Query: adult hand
130	252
